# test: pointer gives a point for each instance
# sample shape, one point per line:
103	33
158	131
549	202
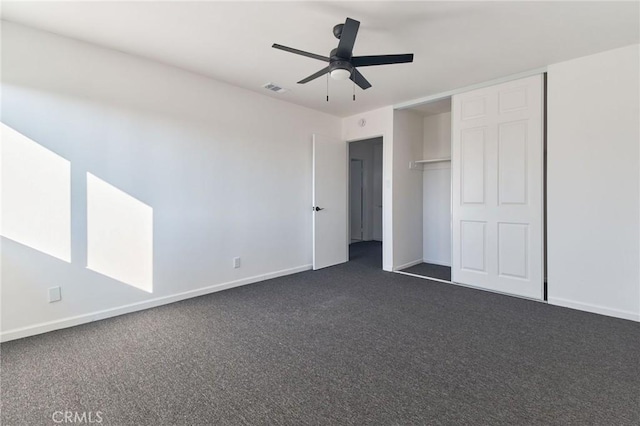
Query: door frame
385	242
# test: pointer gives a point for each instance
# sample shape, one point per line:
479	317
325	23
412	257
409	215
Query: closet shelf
435	160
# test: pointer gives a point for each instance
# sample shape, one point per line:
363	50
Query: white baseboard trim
437	262
408	265
45	327
633	316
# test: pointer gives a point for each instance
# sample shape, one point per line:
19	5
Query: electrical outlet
236	262
55	294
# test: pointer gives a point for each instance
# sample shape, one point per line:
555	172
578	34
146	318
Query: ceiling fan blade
320	73
367	61
359	79
348	38
300	52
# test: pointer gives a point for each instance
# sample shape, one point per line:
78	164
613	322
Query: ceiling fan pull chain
327	87
354	84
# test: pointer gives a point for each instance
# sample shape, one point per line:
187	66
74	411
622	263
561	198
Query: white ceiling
455	43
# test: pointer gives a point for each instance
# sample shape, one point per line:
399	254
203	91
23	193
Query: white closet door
497	172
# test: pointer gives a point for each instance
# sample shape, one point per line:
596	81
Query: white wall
437	135
364	150
369	125
437	190
407	189
593	183
226	172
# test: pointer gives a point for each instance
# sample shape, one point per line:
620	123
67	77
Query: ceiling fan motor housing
333	56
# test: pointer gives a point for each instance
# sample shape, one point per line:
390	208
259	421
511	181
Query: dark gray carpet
348	345
430	270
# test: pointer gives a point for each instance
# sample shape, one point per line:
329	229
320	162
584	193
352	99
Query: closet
433	162
481	216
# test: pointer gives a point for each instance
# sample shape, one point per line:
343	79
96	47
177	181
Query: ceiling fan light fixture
340	74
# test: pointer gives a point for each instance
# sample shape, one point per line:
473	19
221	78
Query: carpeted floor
347	345
430	270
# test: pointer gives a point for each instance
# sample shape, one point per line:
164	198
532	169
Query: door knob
317	209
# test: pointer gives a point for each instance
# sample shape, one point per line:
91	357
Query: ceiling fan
342	63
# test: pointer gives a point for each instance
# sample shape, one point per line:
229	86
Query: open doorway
365	201
434	163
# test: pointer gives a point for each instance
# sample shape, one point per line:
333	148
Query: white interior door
330	197
497	209
356	198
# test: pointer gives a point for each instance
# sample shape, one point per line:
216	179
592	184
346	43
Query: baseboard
408	265
633	316
437	262
45	327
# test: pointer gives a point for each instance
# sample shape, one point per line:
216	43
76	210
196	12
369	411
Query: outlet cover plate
55	294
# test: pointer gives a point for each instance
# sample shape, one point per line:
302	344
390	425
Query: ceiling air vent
274	88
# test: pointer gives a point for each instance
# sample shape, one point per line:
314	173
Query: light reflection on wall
119	235
36	195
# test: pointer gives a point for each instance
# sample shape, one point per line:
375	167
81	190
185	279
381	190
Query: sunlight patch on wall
119	235
36	195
